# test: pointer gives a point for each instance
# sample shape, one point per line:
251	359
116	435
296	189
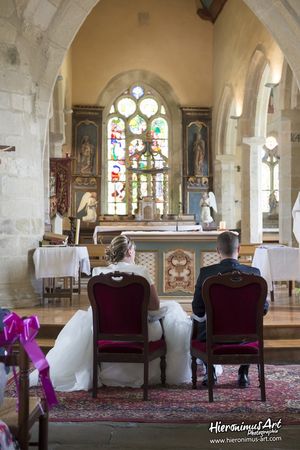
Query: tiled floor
132	436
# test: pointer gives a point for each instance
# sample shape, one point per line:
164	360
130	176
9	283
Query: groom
228	250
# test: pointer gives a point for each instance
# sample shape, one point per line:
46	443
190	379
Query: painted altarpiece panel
179	271
197	158
148	259
86	163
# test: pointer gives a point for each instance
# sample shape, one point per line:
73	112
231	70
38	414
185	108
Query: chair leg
43	431
79	281
71	291
145	386
261	369
95	377
194	372
272	292
290	288
163	370
210	373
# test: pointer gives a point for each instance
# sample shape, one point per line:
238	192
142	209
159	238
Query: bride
71	358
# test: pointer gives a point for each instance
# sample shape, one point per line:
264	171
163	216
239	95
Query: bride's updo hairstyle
118	249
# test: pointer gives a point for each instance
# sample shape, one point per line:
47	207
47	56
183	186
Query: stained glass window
137	92
137	125
126	106
149	107
137	150
270	182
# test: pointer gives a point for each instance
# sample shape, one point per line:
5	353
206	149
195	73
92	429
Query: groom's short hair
227	243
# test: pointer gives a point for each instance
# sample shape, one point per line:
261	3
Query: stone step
277	351
45	344
49	331
271	331
282	351
278	331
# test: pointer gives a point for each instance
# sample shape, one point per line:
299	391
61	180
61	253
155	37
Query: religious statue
89	204
208	200
273	204
86	156
198	153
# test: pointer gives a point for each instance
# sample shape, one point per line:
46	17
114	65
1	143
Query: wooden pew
97	255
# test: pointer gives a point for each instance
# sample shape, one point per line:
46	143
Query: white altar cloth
56	261
115	228
277	263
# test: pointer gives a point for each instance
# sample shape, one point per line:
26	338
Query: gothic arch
252	140
225	145
281	18
223	121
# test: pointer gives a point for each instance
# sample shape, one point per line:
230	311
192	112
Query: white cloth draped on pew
54	262
296	218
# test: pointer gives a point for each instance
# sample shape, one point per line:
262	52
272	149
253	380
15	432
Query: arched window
270	183
137	151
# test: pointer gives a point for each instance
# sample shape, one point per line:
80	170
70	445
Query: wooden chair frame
234	280
30	409
120	280
97	255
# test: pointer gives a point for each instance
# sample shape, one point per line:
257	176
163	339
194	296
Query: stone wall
34	37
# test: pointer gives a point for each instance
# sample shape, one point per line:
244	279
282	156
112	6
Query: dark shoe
205	379
243	380
244	368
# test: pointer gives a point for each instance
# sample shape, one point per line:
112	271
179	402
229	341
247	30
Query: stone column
251	183
21	198
34	38
225	189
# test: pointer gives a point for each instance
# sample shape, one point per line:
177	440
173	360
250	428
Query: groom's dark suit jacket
226	265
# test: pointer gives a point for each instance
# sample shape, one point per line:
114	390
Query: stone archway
251	221
225	145
34	39
281	18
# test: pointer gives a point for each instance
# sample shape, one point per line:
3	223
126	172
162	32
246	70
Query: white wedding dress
70	359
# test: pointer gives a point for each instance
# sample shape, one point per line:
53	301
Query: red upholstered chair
234	304
120	324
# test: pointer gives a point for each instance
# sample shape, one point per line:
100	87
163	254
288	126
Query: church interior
168	120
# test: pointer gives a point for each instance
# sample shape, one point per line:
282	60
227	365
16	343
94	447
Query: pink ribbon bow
25	330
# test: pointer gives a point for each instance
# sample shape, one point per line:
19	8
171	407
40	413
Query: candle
77	231
180	192
222	225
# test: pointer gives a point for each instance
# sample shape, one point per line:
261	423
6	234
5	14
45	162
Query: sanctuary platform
281	324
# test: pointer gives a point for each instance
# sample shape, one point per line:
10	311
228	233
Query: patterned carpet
181	404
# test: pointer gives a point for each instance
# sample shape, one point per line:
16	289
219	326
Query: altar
109	230
174	258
